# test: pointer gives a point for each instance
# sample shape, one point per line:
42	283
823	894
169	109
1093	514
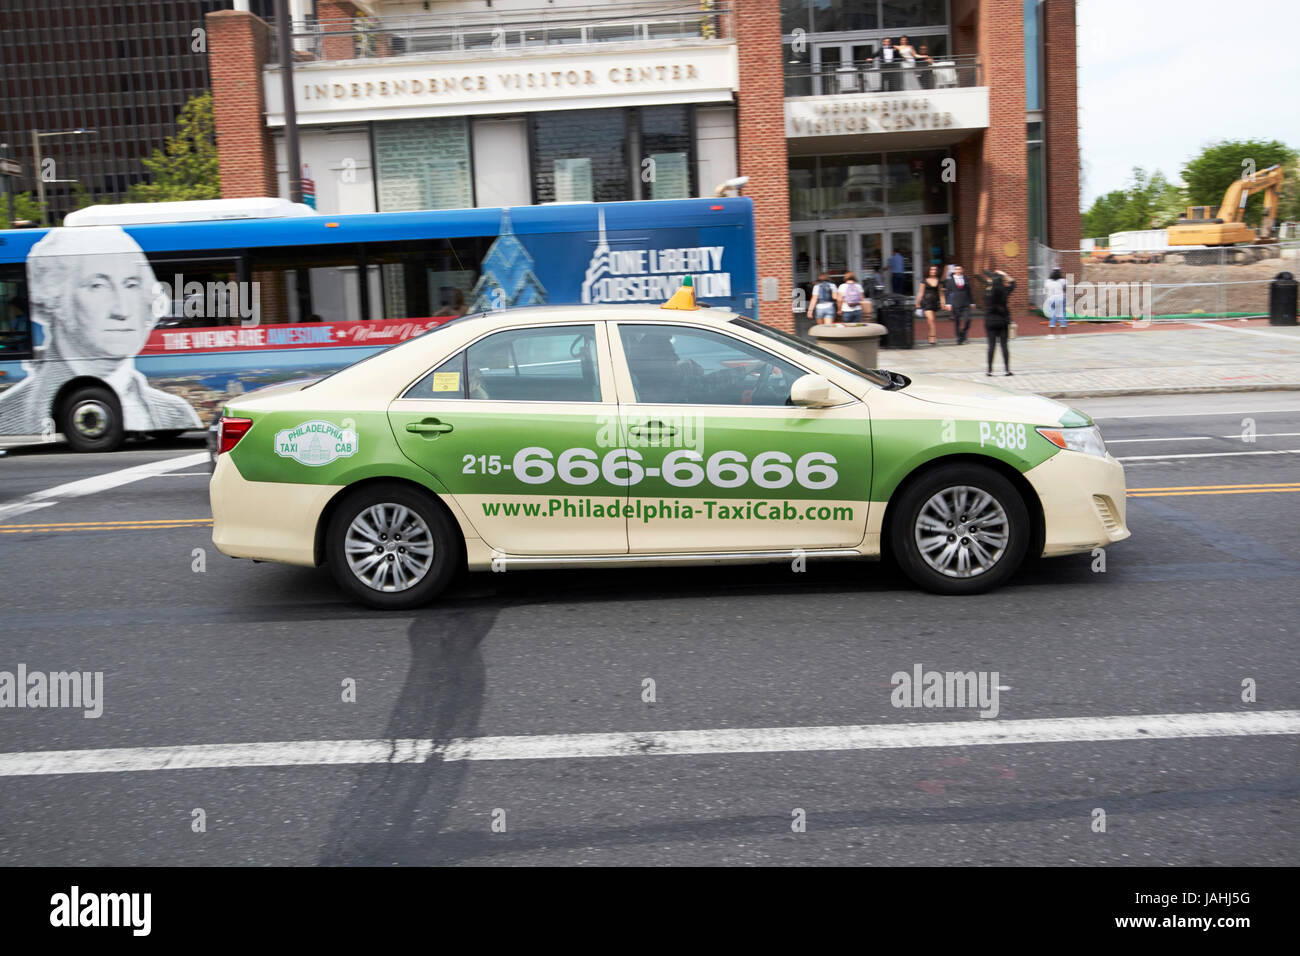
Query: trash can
898	315
856	341
1282	300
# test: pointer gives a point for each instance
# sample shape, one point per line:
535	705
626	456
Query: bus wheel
91	420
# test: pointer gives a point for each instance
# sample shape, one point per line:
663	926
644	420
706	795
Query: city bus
145	318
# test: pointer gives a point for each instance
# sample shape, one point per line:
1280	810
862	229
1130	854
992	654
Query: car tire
91	420
366	547
964	557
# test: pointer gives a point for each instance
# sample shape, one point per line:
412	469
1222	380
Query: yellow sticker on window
446	381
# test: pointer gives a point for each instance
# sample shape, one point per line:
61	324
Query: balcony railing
938	73
510	32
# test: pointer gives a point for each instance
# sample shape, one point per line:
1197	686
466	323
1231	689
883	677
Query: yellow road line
85	524
1239	491
107	526
1267	484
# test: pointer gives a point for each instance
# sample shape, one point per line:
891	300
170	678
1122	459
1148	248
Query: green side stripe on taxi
465	451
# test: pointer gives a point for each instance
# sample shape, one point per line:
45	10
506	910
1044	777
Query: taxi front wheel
391	547
960	529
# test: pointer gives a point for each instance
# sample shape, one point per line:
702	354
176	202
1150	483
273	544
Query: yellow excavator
1224	226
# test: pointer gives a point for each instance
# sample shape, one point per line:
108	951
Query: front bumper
1084	503
265	520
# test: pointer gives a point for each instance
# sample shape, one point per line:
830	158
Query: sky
1159	79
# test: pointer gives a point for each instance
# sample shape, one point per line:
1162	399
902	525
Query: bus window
15	317
308	283
431	278
199	292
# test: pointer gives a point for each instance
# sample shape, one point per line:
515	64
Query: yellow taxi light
683	298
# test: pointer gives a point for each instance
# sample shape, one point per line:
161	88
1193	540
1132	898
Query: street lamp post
37	136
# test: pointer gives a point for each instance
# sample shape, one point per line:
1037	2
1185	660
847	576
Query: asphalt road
1203	597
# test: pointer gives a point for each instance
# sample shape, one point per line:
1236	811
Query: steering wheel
764	379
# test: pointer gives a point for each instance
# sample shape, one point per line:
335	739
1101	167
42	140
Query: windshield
875	376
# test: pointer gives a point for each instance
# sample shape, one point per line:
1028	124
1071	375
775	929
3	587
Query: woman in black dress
930	299
997	316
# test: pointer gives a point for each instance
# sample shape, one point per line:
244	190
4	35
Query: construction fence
1163	285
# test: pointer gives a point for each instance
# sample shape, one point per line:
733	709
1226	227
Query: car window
874	375
550	364
673	364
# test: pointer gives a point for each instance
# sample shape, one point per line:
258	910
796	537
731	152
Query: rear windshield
874	376
400	345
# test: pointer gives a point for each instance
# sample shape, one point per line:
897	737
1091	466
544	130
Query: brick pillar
760	145
1061	130
1003	215
239	44
335	17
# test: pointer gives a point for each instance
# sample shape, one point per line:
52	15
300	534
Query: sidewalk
1213	357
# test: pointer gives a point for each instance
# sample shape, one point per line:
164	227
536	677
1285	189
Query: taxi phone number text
681	469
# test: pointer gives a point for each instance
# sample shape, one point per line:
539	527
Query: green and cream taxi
594	436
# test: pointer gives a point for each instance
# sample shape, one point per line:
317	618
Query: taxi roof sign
683	298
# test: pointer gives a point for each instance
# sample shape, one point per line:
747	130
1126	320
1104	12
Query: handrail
939	73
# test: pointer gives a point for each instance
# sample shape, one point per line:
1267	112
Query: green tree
1147	201
25	207
187	168
1209	174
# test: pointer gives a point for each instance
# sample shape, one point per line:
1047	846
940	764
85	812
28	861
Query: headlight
1087	440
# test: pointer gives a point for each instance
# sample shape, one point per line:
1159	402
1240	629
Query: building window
580	155
868	185
1033	56
667	164
837	16
913	13
1034	177
423	164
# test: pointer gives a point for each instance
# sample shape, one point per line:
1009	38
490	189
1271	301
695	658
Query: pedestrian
896	267
1054	302
886	64
929	300
824	301
852	299
958	297
997	316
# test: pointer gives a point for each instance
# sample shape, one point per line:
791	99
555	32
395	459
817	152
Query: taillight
231	430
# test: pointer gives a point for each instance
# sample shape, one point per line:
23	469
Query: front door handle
659	428
430	427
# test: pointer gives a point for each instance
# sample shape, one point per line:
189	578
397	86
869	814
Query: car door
721	461
516	426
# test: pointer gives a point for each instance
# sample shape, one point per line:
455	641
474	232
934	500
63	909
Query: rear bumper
264	520
1083	500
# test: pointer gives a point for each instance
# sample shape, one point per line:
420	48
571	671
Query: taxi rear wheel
960	529
391	547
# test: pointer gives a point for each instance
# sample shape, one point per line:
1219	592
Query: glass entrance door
871	262
835	254
843	68
902	261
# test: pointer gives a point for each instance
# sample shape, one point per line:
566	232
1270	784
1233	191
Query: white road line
1293	339
1211	454
966	733
1202	414
90	486
1143	441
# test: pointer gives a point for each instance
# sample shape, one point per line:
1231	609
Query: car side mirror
814	391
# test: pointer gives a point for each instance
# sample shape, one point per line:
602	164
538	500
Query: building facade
881	135
100	84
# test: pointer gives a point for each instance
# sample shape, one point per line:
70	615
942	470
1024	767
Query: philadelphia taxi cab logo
316	443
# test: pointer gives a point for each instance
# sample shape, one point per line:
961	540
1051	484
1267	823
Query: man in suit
887	61
958	297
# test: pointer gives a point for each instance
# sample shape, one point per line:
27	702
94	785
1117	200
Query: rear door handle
429	426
